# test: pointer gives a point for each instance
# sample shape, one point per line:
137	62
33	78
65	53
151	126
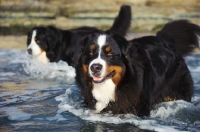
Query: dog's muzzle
96	69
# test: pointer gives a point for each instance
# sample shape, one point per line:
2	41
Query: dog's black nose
96	68
29	51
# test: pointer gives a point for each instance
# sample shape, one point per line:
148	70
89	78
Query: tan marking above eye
92	47
107	49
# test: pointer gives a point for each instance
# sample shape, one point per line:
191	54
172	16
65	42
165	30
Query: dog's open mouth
102	79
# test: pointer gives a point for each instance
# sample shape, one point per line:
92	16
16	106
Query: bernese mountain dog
50	44
131	77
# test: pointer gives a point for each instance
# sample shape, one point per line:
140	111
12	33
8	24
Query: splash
193	63
59	70
71	102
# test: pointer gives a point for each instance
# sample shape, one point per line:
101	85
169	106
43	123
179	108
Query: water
37	97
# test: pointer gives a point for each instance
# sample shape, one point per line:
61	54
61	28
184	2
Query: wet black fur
153	69
64	44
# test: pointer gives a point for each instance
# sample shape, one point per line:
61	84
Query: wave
59	70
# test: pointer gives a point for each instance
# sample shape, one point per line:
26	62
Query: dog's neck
41	58
104	93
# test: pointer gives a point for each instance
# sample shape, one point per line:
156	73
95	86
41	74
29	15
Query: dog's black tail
122	21
185	35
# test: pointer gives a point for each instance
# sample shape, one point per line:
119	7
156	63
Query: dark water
37	97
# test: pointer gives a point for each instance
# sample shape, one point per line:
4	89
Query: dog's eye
36	40
91	52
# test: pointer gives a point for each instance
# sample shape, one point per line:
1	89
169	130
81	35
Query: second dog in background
50	44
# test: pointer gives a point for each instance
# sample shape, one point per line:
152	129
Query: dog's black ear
83	44
53	35
53	38
28	40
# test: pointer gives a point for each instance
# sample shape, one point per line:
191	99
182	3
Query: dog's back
165	73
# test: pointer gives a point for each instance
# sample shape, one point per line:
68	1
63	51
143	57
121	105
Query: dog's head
41	42
102	57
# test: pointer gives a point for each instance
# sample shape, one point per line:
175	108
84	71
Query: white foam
71	102
178	112
193	64
51	70
15	114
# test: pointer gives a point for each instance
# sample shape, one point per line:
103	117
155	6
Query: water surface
37	97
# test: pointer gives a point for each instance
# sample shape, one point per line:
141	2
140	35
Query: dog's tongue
97	78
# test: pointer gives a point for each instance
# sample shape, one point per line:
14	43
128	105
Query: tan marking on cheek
85	69
167	98
42	50
85	74
118	73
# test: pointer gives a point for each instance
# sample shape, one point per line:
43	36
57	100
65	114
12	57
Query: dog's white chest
42	57
104	93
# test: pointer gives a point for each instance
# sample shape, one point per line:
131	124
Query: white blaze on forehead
36	50
101	41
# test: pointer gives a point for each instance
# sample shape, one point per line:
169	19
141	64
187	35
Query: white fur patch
104	93
101	41
36	50
42	57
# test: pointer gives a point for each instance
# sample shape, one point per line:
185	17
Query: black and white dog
133	76
50	44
